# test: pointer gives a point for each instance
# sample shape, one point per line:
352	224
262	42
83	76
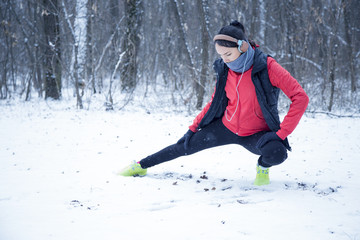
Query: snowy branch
108	44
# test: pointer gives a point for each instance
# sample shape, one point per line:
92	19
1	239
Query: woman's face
229	54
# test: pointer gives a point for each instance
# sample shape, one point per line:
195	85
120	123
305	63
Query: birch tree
79	55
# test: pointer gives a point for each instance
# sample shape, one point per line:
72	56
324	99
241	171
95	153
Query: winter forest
88	87
122	50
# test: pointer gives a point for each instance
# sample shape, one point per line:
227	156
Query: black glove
186	139
267	137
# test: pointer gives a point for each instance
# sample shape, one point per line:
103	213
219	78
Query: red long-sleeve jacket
243	115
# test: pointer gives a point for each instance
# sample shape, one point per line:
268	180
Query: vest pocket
257	109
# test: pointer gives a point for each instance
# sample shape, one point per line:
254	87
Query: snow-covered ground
58	180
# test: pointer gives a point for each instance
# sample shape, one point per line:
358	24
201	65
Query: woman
243	108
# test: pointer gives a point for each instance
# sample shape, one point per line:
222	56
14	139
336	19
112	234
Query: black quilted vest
266	93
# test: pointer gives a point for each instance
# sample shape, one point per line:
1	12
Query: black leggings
216	134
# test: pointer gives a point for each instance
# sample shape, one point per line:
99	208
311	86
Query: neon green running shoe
262	176
134	170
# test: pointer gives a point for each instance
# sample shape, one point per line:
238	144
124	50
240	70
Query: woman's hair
236	30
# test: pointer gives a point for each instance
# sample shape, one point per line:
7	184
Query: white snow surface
58	179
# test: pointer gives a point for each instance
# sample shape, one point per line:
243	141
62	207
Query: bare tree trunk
38	78
76	78
262	21
5	54
130	45
52	50
3	82
293	28
90	65
334	23
349	29
200	91
332	76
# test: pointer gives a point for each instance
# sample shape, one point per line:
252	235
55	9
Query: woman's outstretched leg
216	134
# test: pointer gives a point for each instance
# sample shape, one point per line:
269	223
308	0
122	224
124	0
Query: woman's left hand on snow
186	139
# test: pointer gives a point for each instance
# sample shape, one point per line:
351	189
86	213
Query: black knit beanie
236	30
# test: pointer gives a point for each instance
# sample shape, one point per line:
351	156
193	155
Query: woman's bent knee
273	153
